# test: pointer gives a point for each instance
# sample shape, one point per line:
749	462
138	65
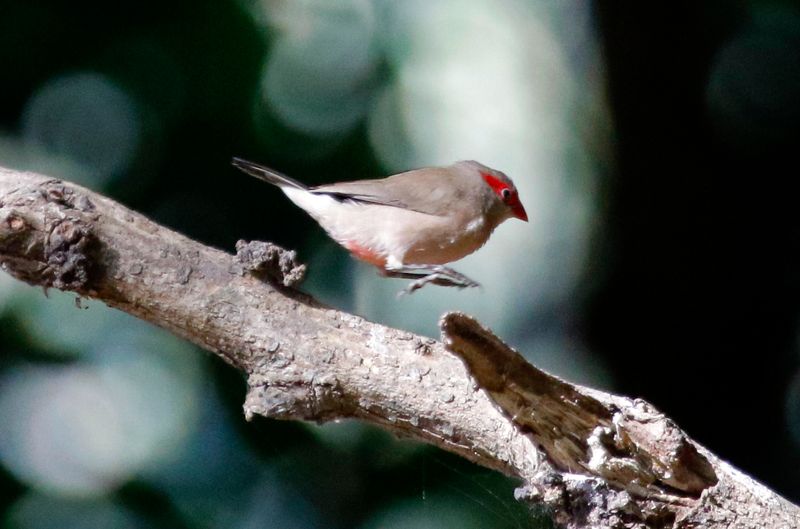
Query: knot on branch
277	263
56	192
311	399
41	242
66	253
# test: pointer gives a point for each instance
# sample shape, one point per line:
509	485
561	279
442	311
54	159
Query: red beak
519	211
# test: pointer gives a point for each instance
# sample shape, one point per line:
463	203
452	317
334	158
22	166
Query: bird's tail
266	174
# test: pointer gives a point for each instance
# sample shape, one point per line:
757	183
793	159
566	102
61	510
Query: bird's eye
505	193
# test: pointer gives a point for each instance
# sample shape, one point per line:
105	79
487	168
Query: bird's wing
431	191
343	191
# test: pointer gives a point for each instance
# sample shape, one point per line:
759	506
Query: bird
411	224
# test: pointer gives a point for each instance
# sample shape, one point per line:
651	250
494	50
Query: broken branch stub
269	259
627	442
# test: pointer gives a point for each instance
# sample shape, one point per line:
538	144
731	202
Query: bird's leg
424	274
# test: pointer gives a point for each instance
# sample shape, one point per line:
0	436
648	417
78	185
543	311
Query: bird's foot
440	279
429	274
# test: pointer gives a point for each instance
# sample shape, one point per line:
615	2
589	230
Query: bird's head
502	191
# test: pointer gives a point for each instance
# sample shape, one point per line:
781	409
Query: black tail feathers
266	174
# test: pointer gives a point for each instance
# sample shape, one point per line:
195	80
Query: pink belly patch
365	254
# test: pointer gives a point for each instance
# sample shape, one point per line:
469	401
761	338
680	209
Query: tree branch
592	458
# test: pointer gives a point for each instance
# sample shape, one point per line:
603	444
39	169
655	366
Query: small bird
410	224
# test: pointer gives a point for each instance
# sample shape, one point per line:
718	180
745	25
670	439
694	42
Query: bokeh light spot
500	83
320	73
87	119
83	428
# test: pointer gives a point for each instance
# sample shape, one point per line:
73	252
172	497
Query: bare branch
594	459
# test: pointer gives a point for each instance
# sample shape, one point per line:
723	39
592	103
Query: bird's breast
447	241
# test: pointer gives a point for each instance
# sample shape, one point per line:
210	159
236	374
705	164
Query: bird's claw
429	274
444	279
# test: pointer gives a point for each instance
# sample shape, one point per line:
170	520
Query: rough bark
591	458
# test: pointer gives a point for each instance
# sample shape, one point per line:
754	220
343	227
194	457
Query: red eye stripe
495	183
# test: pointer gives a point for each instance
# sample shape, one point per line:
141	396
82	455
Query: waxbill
410	224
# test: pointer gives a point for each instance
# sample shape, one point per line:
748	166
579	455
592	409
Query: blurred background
653	146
